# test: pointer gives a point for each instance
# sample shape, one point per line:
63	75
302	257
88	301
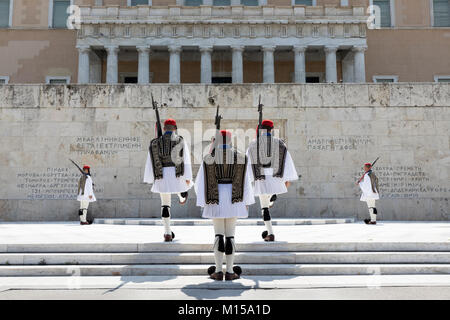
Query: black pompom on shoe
211	270
264	234
237	270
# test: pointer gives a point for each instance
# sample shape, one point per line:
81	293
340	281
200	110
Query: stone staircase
193	259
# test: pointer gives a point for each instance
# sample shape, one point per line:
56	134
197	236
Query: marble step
247	282
241	257
259	246
248	269
207	222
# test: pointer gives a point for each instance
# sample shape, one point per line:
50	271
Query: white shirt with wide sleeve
366	188
88	191
225	209
170	183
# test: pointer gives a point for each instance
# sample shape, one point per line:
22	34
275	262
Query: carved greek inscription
338	143
51	184
105	146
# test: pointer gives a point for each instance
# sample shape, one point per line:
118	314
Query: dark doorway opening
221	80
312	79
130	80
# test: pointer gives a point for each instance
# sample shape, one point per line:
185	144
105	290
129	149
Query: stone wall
331	130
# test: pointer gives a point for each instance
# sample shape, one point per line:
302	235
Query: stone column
112	64
174	68
83	63
360	64
269	69
206	66
300	64
143	64
237	64
331	69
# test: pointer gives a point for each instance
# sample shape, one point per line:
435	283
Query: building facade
224	41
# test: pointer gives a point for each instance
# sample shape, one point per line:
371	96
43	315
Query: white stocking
84	205
230	227
264	199
219	229
166	201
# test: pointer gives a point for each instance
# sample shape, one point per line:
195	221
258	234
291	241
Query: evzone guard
85	193
368	184
224	192
168	168
271	169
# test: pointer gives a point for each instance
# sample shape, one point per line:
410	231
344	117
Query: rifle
158	121
81	170
373	163
217	120
260	111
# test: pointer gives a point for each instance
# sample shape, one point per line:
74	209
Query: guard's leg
265	203
219	248
84	205
230	249
273	198
372	212
165	215
183	197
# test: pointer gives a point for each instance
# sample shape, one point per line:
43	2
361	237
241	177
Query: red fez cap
368	164
225	133
86	167
267	123
170	122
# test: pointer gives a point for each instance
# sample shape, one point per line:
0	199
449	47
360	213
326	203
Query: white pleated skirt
170	183
225	209
86	198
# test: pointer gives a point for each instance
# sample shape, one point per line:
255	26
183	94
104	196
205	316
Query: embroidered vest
225	172
82	184
272	155
167	151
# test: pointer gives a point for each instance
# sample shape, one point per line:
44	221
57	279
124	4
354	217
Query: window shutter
303	2
249	2
4	13
222	3
441	11
193	2
385	11
60	14
139	2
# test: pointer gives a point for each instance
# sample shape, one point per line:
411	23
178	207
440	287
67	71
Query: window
442	79
5	13
441	13
385	12
58	13
193	2
250	2
4	80
57	80
385	79
344	3
221	2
